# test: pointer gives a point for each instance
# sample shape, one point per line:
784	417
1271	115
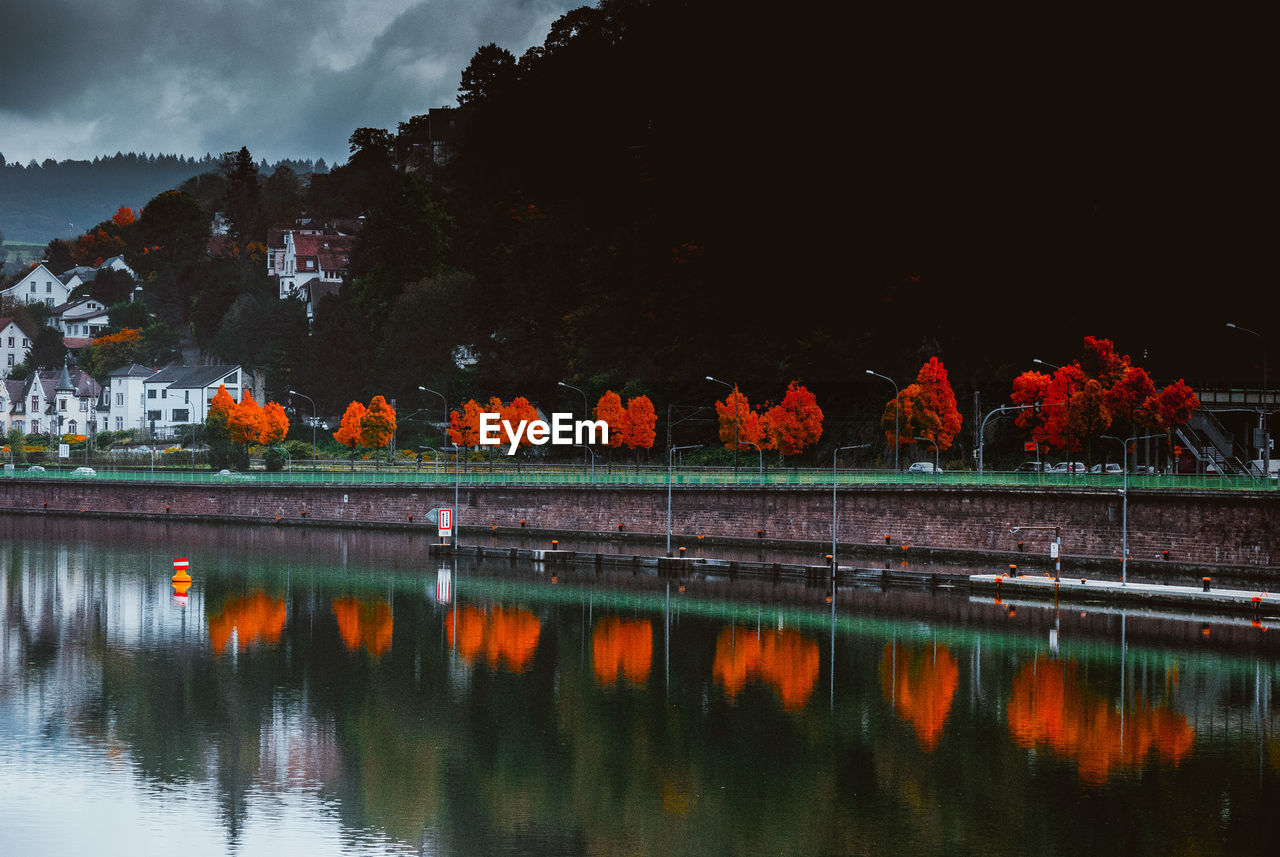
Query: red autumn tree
1172	407
796	423
519	410
377	424
246	421
641	421
1127	399
123	216
1029	390
275	423
736	409
610	409
925	409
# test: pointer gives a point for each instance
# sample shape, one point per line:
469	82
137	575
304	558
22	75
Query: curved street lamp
897	431
1124	493
736	417
670	457
585	415
937	460
314	418
834	453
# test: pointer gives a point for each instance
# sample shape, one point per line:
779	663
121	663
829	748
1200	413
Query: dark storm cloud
283	77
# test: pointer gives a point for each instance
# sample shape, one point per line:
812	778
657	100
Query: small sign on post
445	522
64	450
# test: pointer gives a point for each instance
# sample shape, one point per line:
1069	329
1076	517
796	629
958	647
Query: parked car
1033	467
84	471
35	468
1143	470
1069	467
923	467
1111	469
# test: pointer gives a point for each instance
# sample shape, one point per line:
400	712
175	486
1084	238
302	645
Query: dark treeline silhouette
61	199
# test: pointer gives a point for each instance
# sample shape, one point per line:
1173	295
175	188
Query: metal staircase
1209	442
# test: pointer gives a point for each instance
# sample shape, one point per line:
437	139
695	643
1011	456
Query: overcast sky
287	78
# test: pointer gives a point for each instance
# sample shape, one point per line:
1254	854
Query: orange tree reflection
784	660
1048	704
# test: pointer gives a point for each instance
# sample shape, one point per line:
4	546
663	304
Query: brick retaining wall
1197	527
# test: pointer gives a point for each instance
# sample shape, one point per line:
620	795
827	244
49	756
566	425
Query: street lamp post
834	453
671	457
761	454
1124	502
457	453
1262	408
585	415
736	417
1071	464
937	460
314	419
896	417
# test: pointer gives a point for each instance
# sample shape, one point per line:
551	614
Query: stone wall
1197	527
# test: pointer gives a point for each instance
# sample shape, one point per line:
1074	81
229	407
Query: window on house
119	423
71	427
48	301
84	404
181	415
164	394
35	403
26	343
48	287
120	398
10	341
62	404
153	416
33	288
10	359
151	394
35	427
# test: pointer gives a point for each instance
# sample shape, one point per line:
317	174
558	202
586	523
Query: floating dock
1076	590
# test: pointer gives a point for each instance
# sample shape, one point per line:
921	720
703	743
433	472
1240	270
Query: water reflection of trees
784	660
921	683
622	649
256	618
504	636
361	624
1049	704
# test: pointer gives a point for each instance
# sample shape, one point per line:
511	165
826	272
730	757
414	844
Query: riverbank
1172	535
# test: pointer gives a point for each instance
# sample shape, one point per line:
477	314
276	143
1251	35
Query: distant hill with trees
62	199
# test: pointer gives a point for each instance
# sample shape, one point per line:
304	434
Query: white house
84	318
309	261
15	345
48	401
40	285
161	400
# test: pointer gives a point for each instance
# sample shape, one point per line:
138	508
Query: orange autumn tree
641	423
377	424
275	423
738	421
610	409
348	434
246	421
464	428
794	424
925	409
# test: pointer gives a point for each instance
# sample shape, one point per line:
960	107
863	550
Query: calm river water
321	692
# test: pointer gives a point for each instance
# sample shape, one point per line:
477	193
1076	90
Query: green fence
484	474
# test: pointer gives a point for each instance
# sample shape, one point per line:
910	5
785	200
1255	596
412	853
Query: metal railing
317	473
